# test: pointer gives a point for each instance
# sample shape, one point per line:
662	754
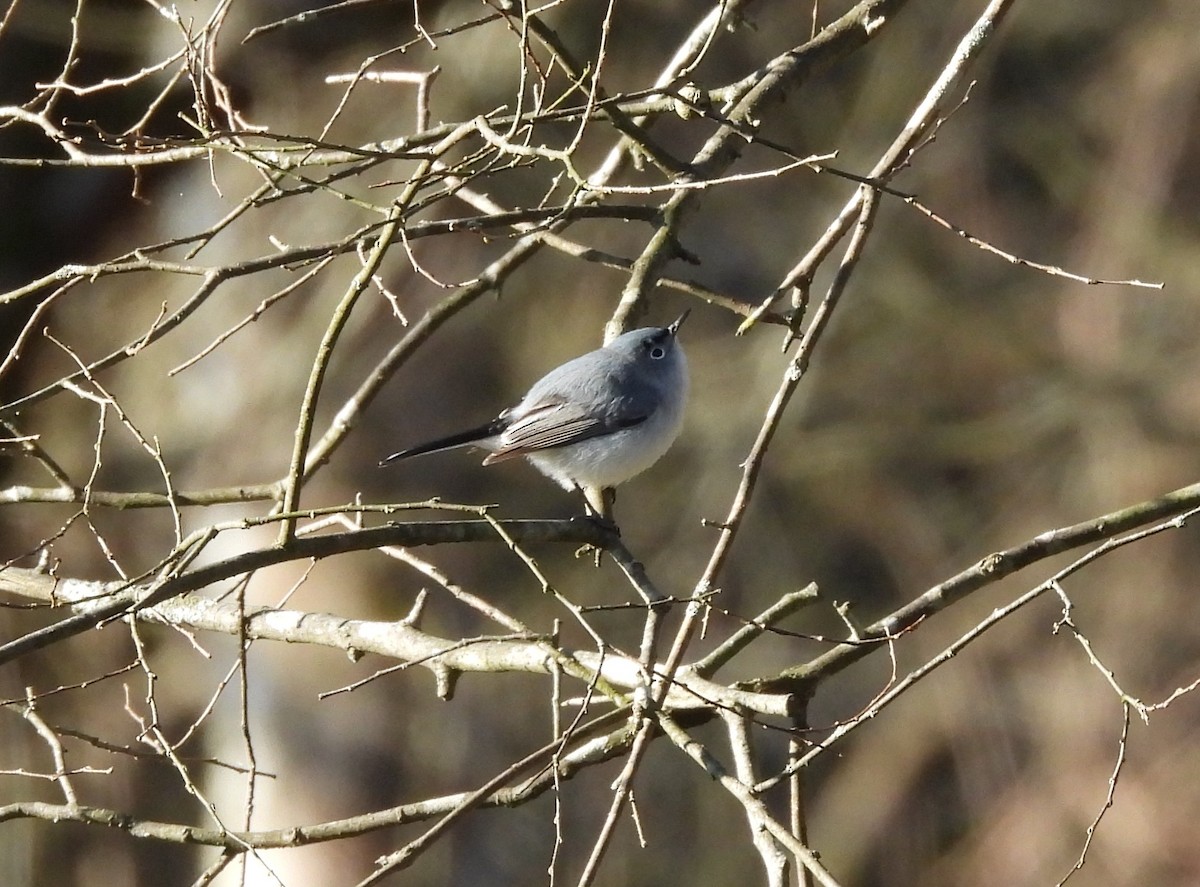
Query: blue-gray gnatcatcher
595	421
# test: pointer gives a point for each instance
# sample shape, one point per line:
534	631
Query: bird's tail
462	439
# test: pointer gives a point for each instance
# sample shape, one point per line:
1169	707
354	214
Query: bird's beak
674	328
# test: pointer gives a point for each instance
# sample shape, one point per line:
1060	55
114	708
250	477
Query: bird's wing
553	423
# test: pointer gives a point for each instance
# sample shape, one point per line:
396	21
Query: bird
595	421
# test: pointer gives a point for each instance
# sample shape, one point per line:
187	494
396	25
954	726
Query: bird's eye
658	352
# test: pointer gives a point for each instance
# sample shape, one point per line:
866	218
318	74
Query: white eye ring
658	352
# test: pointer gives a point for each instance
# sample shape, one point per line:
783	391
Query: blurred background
959	404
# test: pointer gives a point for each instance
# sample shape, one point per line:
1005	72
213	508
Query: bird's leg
598	505
599	502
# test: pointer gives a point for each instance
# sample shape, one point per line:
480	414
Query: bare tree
253	250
